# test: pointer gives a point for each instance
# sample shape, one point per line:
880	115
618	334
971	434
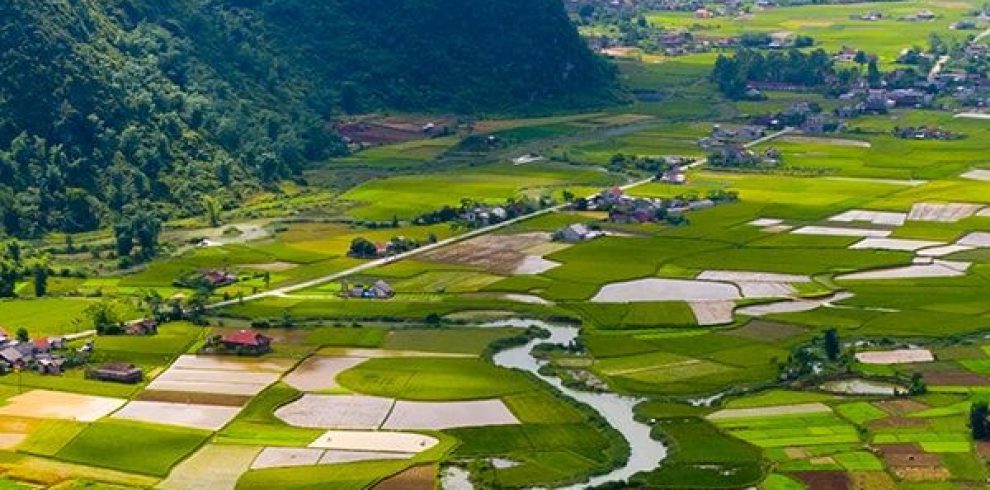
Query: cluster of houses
723	137
684	42
925	133
871	16
739	156
922	15
622	208
377	290
880	101
46	355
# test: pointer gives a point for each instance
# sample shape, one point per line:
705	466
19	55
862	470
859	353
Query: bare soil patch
533	264
498	254
983	448
793	306
209	417
979	174
747	276
60	405
282	457
448	415
765	222
766	289
712	312
841	231
656	289
419	477
401	442
336	411
320	373
975	239
228	363
218	399
939	268
957	378
823	480
900	408
883	218
942	213
942	251
214	467
893	244
899	356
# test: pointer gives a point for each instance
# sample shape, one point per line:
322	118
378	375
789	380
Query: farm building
116	371
577	233
146	326
216	278
378	290
247	342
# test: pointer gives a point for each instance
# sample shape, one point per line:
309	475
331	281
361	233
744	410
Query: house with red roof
247	342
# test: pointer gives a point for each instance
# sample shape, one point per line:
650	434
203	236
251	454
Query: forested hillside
112	105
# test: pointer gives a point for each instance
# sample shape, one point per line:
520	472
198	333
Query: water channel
645	454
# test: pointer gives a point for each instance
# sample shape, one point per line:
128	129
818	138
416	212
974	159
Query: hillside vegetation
112	105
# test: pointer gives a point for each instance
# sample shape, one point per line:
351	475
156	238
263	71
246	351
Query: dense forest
110	106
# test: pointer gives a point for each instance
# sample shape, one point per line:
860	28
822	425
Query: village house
703	13
247	342
871	16
49	364
146	326
118	372
925	133
37	354
217	278
674	175
910	97
379	290
577	233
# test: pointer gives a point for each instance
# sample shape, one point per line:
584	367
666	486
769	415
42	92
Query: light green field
831	26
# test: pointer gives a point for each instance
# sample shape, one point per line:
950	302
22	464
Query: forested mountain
112	105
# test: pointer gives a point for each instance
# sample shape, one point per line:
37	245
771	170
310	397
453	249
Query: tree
23	335
873	75
105	317
146	228
362	248
979	426
123	239
832	345
917	385
212	207
40	279
8	278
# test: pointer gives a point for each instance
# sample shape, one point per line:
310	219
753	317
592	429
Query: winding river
645	452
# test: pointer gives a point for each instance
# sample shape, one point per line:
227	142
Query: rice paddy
884	240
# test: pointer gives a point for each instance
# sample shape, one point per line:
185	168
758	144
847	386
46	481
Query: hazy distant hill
106	104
